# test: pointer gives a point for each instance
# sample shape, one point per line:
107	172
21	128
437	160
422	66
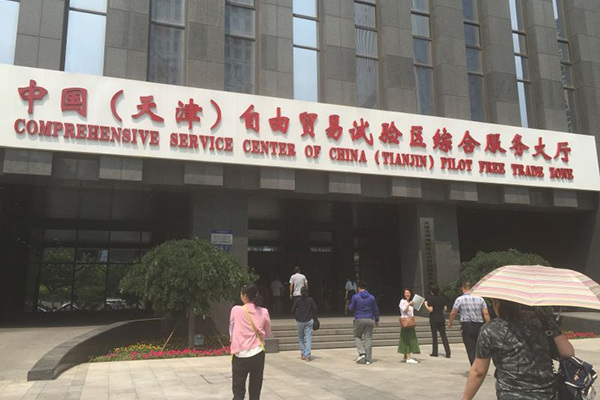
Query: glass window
516	15
563	51
472	35
470	10
571	105
8	30
239	65
366	42
89	5
519	43
420	5
166	54
305	75
85	43
474	60
364	15
89	287
242	2
476	97
366	82
305	7
522	64
567	75
424	84
305	32
168	11
422	51
239	21
54	292
420	25
525	107
559	19
125	237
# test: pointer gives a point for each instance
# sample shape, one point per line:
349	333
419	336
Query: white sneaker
361	359
412	361
368	362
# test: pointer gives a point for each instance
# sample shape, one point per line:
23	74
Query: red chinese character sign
64	112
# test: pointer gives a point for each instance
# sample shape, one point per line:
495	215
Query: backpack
574	380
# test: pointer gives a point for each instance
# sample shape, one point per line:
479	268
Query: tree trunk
191	327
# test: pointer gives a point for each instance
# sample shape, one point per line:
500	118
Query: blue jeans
305	330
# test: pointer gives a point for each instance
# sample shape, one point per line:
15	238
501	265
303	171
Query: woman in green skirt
408	337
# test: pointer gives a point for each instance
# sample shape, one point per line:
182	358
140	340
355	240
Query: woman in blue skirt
408	337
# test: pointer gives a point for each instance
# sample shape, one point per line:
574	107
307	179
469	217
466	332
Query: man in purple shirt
366	318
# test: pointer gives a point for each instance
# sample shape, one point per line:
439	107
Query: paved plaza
332	375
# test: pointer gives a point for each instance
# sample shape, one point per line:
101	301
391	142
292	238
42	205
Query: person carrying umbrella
517	341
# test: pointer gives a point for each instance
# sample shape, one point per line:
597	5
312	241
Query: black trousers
441	328
241	367
470	333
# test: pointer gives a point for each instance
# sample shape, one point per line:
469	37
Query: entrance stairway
337	332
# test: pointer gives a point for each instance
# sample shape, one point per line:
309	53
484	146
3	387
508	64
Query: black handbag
316	324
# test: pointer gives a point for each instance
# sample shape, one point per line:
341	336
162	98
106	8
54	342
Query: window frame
317	20
370	3
255	72
417	65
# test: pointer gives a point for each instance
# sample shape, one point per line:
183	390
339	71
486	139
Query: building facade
76	216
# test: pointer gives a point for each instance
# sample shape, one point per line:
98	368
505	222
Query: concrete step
350	344
335	339
281	333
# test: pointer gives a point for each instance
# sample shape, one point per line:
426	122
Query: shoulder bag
260	339
408	323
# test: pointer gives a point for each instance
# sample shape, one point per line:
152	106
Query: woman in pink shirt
248	326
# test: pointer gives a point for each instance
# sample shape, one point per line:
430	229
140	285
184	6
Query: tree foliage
484	263
179	274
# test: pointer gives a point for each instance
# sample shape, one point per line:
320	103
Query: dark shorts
350	294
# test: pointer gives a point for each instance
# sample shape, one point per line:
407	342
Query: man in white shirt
297	282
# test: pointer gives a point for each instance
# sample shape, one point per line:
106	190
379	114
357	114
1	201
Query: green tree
184	277
484	263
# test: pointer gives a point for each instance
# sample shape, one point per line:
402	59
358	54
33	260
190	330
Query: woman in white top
408	343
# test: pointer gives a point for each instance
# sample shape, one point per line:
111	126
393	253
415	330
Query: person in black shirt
436	306
303	308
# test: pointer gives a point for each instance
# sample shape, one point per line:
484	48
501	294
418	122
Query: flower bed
579	335
176	349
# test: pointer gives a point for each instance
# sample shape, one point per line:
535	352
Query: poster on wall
223	239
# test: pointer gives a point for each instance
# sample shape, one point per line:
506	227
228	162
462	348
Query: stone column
498	63
449	59
338	52
544	66
222	211
396	58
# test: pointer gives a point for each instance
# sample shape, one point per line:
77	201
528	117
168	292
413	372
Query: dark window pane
60	236
306	75
169	11
420	5
239	21
474	60
89	287
476	97
567	75
422	51
571	105
166	55
239	65
88	256
89	5
95	204
424	83
364	15
59	255
125	237
8	30
61	203
146	237
92	237
126	205
305	7
366	42
124	256
305	32
85	43
420	25
470	10
472	35
559	19
366	82
55	286
563	51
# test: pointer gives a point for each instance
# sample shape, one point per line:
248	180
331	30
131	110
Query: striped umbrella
534	285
